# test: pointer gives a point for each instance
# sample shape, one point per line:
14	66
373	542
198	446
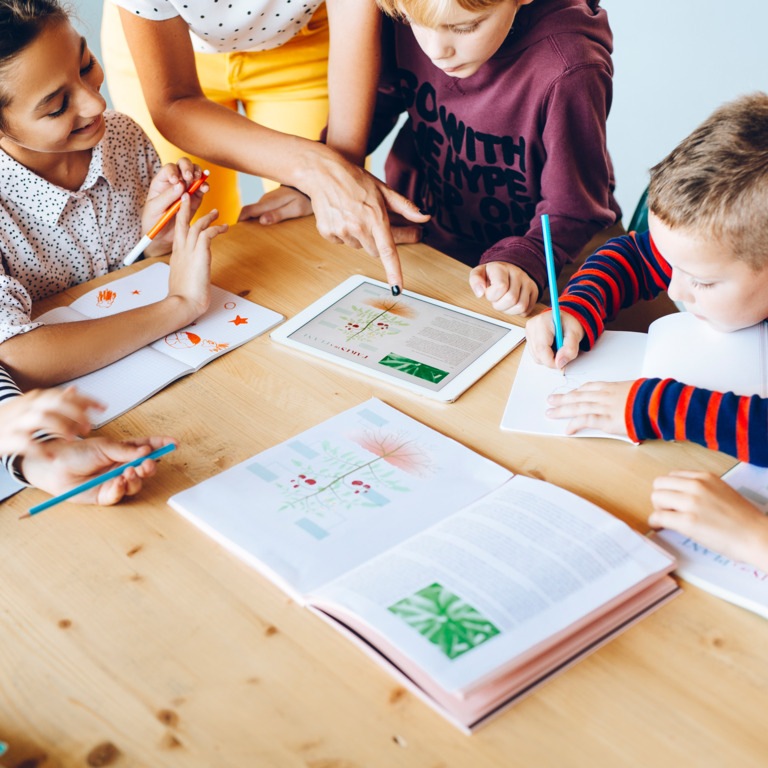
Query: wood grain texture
129	638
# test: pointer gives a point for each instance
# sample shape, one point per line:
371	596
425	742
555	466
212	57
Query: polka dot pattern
223	27
53	238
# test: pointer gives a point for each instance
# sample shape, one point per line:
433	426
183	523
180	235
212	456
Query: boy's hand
62	412
277	205
597	405
508	288
706	508
166	188
190	278
540	338
63	465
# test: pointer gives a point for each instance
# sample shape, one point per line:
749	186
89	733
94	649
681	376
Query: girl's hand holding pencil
163	196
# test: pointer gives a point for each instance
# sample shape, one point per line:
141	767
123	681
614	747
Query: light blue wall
675	61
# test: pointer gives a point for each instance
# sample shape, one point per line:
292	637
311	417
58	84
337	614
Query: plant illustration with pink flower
341	478
380	318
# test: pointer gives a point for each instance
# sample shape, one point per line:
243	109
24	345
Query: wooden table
129	638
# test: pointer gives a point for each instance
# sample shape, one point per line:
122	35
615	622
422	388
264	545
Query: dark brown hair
21	21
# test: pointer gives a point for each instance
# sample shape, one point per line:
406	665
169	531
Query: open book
471	585
728	579
229	322
677	346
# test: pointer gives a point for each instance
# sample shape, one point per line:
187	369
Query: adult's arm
354	63
350	204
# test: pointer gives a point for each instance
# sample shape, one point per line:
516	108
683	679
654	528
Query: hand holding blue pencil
99	480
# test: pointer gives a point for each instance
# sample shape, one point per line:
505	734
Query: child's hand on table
705	508
596	405
56	466
166	188
62	412
508	288
190	278
540	338
277	205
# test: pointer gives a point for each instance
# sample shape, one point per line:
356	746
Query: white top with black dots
53	238
223	26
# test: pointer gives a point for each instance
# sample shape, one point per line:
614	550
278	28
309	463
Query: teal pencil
98	480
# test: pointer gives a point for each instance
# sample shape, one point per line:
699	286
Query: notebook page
682	347
129	381
615	357
144	287
229	322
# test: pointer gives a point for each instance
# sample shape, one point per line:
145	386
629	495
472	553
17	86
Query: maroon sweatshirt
525	135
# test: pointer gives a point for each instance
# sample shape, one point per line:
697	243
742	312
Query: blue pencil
552	279
99	480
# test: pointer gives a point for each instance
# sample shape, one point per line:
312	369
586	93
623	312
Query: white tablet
424	345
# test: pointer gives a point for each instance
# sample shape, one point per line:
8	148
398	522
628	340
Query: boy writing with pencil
708	247
506	102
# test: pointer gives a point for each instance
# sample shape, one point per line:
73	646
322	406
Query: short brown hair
431	13
715	182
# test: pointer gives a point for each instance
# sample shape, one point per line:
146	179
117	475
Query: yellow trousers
285	89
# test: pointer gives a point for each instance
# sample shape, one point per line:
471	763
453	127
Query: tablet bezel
451	391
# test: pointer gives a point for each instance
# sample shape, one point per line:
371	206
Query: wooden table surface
129	638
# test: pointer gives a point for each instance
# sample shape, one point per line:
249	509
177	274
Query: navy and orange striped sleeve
669	410
618	275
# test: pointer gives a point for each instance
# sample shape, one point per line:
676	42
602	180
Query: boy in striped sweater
707	246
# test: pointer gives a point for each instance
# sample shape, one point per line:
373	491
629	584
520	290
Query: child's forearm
52	354
618	275
669	410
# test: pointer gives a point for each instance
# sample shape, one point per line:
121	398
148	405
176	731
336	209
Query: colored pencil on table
143	244
99	480
552	279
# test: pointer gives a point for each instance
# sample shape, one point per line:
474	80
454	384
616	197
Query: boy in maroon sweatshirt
507	102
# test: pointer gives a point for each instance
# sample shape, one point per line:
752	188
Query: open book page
313	507
682	347
728	579
616	357
492	585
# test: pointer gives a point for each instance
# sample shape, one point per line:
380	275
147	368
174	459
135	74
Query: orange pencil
164	219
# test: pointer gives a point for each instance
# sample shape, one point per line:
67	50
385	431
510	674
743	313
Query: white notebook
229	322
677	346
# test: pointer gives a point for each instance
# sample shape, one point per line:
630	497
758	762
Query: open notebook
229	322
677	346
469	584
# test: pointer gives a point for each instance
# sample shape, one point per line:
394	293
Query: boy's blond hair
431	13
714	184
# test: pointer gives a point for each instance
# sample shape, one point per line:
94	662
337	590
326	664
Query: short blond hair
431	13
714	184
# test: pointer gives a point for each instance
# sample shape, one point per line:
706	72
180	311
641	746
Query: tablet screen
407	337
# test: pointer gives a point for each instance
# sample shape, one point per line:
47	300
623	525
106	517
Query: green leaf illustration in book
445	620
382	317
